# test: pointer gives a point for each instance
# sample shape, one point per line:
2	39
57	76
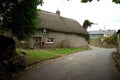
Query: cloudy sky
105	13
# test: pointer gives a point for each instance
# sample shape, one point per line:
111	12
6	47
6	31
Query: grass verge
35	56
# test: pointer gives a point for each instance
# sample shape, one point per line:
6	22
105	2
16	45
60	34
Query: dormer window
44	31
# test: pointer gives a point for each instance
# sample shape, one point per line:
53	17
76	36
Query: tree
19	16
87	24
115	1
112	39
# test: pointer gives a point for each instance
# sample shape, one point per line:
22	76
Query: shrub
111	40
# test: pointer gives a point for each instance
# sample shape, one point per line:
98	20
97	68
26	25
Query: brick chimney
58	12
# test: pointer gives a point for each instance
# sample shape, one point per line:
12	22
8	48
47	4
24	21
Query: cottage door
37	42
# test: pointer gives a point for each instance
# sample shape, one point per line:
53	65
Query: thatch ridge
54	22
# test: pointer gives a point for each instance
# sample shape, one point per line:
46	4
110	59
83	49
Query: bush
99	38
111	40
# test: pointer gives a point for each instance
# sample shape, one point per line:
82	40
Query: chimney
58	12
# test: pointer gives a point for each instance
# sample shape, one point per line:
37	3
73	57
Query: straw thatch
55	22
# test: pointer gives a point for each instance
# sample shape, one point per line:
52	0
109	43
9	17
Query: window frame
50	40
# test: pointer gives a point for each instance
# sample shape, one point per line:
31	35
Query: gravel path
96	64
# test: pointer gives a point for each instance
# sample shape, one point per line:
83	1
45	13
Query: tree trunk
7	55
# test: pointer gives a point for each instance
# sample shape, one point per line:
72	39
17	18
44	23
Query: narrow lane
96	64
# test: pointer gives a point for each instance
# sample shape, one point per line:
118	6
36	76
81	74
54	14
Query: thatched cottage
58	31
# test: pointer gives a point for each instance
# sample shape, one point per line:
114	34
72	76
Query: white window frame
50	40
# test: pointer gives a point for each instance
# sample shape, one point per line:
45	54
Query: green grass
43	54
39	55
65	50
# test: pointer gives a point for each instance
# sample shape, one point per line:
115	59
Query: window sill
49	42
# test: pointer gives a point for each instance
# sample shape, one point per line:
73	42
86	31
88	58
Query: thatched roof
55	22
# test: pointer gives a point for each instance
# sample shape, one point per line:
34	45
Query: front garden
34	56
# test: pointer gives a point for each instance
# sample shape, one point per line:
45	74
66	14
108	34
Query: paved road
96	64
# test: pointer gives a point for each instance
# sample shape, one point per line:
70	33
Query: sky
104	13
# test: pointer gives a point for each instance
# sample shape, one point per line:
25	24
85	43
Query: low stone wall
116	58
118	41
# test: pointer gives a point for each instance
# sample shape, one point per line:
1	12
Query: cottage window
50	40
44	31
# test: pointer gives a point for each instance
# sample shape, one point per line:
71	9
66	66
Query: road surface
95	64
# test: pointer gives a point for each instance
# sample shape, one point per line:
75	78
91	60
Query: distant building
108	33
95	34
101	33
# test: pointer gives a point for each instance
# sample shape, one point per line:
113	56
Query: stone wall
60	40
118	39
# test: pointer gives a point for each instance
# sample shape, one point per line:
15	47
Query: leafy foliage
84	1
98	38
19	16
112	39
115	1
